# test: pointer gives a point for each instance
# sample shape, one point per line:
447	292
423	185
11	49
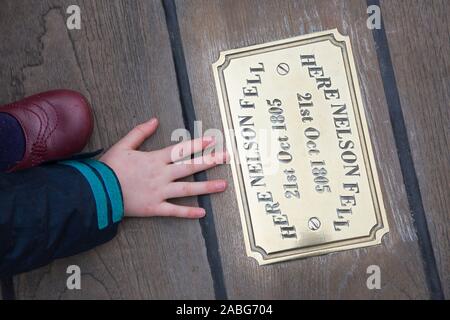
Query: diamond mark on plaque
283	69
314	224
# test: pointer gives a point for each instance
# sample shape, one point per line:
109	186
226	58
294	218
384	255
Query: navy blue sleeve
55	211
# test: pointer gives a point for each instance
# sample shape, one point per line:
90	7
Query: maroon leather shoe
56	124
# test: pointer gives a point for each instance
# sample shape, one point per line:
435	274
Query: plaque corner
381	233
258	257
221	60
339	36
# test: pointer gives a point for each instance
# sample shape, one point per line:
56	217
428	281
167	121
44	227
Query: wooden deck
136	59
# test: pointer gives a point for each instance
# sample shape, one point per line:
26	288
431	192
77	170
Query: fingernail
220	158
153	120
209	139
221	185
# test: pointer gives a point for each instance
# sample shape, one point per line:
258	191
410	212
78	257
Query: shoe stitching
57	117
40	147
37	148
49	134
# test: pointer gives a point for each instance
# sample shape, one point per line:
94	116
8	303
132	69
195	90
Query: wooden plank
418	36
209	26
121	60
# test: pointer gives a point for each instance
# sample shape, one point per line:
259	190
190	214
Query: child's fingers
167	209
188	189
184	149
187	168
138	135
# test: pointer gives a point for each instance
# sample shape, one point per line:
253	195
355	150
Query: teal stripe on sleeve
112	188
97	189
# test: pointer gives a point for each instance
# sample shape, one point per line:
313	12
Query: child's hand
148	178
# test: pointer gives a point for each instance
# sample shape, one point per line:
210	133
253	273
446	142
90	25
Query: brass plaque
301	156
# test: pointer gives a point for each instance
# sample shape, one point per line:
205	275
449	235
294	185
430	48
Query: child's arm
58	210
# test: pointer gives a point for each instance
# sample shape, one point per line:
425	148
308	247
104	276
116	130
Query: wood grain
418	35
121	60
209	26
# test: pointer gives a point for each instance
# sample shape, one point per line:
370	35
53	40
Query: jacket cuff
105	189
